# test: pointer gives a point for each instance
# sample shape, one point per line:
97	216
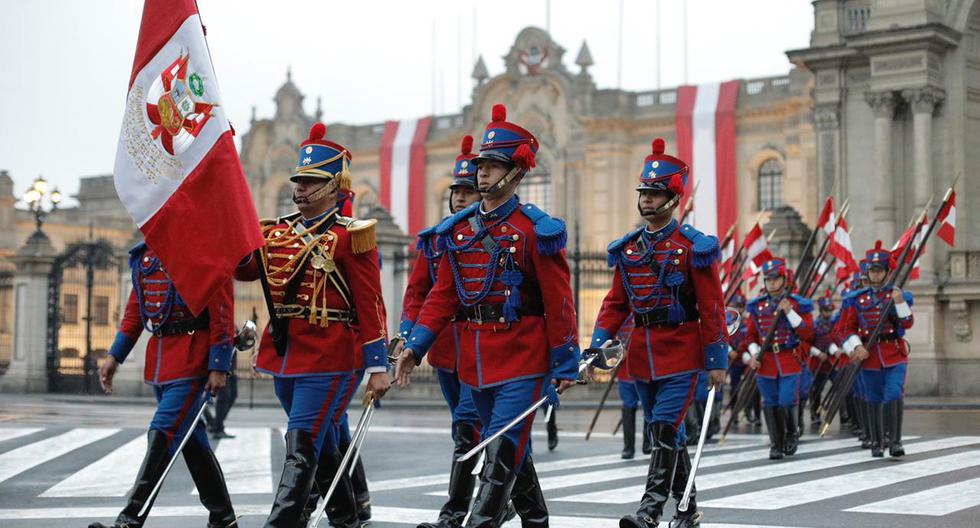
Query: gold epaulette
362	233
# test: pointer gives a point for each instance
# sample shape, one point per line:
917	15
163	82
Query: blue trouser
178	403
459	397
701	392
735	373
500	404
628	394
885	385
666	400
857	388
806	381
344	425
781	391
316	404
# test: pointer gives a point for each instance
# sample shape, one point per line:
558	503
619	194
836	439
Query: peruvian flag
914	235
947	221
177	171
402	160
827	219
841	247
705	127
756	246
750	275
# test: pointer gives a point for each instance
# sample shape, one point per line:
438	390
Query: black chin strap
499	186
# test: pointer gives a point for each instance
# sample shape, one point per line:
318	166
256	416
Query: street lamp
34	198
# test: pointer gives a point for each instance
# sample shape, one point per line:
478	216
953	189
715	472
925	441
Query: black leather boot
658	485
298	473
496	484
691	517
342	508
527	497
800	415
895	410
647	441
553	430
775	428
361	493
629	433
154	462
876	415
864	417
210	482
791	431
461	480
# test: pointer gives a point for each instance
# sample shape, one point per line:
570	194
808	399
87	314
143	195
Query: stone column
28	370
827	122
393	247
923	102
883	104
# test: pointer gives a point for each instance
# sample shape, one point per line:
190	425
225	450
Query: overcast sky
66	63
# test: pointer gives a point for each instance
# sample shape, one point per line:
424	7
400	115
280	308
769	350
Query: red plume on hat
676	184
466	146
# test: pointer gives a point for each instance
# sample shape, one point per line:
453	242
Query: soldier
185	356
824	351
884	366
736	367
778	366
666	276
463	193
504	276
319	271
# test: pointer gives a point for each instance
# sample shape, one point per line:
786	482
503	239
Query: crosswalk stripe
938	501
632	468
245	460
9	433
110	476
841	485
766	470
16	461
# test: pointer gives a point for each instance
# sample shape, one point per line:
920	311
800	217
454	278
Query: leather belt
777	348
658	318
296	311
480	313
888	337
185	326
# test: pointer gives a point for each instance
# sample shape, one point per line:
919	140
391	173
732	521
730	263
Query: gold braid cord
311	246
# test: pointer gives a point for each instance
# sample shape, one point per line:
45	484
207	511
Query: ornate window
771	184
536	188
284	202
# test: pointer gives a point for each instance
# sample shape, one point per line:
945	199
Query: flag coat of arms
177	171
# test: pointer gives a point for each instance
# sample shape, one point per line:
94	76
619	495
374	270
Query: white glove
755	349
814	351
746	358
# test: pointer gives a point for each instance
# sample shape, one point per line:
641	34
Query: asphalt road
67	463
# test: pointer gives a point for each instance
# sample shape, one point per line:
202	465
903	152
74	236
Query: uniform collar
661	234
310	222
500	212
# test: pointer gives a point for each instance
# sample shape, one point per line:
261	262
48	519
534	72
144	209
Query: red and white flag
757	246
915	240
828	219
177	171
705	126
947	221
402	160
841	247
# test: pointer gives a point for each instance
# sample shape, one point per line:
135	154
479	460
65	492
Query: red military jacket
337	321
512	265
672	275
823	340
784	359
443	353
202	344
860	312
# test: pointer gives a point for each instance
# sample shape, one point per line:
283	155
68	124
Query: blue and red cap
826	301
878	257
464	171
506	142
662	172
775	267
323	159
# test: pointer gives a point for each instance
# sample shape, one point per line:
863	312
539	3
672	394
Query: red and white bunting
705	127
402	167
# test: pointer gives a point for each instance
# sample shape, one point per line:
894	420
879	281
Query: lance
899	277
595	357
689	205
812	269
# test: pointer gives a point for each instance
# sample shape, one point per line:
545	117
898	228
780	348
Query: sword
685	499
170	464
597	357
356	441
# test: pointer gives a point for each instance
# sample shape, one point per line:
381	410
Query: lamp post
34	198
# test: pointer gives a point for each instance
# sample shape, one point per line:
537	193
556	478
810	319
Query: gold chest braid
292	249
